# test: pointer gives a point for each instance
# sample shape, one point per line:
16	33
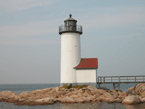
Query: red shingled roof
87	63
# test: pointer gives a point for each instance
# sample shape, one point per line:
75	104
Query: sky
113	32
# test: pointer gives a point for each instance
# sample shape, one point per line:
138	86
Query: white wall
70	56
86	75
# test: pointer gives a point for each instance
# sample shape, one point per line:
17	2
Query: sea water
19	88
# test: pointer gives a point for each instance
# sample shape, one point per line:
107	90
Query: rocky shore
87	94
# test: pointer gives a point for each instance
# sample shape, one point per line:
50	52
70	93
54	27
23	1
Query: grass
73	86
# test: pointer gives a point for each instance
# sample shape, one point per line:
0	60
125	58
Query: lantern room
70	25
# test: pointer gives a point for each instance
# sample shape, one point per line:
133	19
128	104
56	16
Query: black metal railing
63	29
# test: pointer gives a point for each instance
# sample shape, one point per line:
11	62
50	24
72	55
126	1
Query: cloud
14	41
17	34
32	28
122	17
16	5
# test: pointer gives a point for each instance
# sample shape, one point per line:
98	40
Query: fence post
135	78
104	79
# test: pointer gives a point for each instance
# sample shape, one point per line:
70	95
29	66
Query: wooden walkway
117	80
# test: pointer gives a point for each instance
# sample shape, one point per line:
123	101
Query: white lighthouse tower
70	49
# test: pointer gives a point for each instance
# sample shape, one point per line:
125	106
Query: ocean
18	88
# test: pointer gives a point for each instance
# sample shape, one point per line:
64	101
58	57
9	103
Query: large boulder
140	88
131	91
142	100
108	95
8	95
131	100
117	100
121	95
87	99
113	92
109	100
142	94
25	94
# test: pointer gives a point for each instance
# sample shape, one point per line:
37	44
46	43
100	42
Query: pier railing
120	80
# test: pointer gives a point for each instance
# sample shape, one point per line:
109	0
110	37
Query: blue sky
113	31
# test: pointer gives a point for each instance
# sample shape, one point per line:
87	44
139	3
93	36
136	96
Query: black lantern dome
70	26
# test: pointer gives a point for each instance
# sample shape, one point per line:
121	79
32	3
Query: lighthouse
70	49
75	69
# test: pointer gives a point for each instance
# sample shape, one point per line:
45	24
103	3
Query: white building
73	68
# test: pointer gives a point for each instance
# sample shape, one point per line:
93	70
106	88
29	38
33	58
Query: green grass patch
74	86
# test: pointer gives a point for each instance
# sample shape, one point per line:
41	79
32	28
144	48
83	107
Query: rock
131	88
131	91
22	99
100	91
142	100
78	100
140	88
142	94
107	95
113	93
39	100
91	88
80	95
57	100
100	99
85	94
88	92
67	100
49	100
8	95
1	99
131	100
67	89
80	91
118	90
46	100
57	89
117	100
74	96
109	100
121	95
86	99
93	92
25	94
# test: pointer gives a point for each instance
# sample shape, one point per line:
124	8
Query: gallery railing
63	29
